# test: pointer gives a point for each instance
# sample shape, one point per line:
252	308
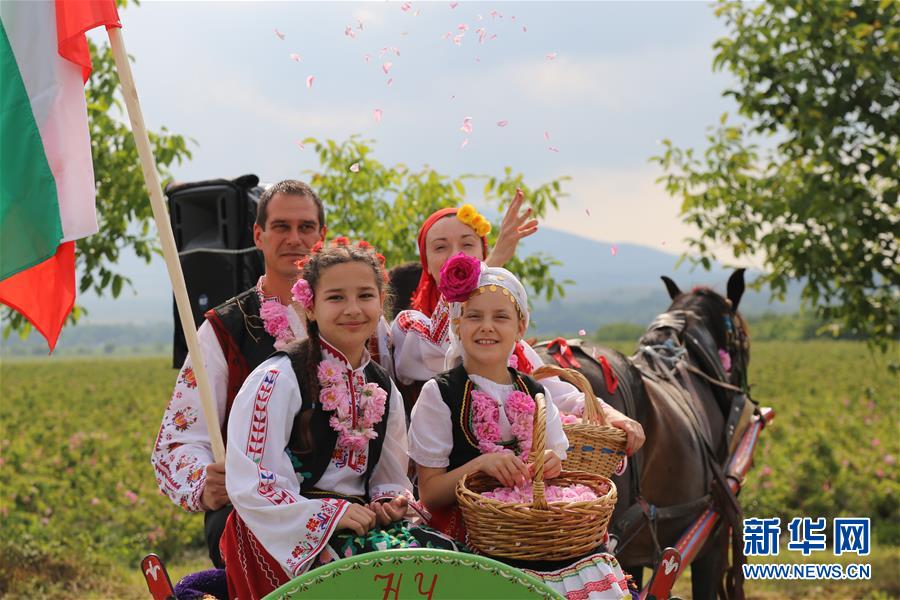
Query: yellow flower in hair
466	213
481	226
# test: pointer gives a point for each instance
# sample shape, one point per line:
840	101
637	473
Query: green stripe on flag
30	227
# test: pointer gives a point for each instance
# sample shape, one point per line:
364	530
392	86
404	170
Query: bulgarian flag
47	189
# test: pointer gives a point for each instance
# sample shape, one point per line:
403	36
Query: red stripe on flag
45	293
73	18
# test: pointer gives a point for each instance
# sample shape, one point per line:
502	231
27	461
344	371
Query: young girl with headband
316	461
478	416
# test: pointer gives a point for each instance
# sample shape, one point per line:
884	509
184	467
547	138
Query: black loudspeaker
213	226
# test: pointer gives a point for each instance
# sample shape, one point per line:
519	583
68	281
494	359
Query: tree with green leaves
808	178
386	205
123	207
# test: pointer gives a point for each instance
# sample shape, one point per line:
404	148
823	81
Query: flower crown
302	292
471	217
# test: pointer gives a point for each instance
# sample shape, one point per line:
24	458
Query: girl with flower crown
316	461
478	416
421	336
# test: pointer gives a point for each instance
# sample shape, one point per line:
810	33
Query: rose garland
335	396
519	408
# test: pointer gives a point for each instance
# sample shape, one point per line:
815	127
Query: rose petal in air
377	114
453	5
390	82
613	249
367	58
581	332
405	6
447	36
457	39
279	34
359	21
587	212
417	13
348	31
387	67
309	81
524	29
396	51
551	56
301	145
547	135
295	57
467	125
354	167
552	148
465	143
502	123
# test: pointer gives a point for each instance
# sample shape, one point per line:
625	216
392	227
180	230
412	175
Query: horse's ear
674	292
736	288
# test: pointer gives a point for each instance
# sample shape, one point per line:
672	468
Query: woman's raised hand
514	227
358	519
506	468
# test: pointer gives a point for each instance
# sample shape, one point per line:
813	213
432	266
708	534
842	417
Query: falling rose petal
367	58
493	37
551	56
404	33
587	212
513	17
479	18
494	14
309	81
301	145
354	167
613	249
360	24
582	332
524	29
417	13
447	36
295	57
462	27
502	123
377	114
465	143
390	82
279	34
387	67
382	52
664	242
396	51
467	125
453	5
405	6
482	33
552	148
457	39
547	135
348	31
478	60
453	97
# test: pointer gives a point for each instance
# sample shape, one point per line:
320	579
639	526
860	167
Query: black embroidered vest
456	392
311	463
244	341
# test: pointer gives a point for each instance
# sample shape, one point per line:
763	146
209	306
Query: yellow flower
481	226
467	214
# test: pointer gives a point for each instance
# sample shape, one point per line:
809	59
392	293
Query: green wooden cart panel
415	574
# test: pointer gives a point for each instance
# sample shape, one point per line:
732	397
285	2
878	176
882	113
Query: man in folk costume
235	338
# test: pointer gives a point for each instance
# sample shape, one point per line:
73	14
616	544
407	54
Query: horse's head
704	309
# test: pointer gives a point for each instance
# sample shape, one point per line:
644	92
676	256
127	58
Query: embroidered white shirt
260	477
431	430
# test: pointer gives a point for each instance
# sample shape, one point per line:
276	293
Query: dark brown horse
669	482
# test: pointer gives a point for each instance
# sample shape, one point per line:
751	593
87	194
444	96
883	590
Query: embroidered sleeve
420	343
182	449
431	430
556	438
385	346
389	477
259	477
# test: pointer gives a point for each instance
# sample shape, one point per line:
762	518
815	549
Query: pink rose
459	277
302	293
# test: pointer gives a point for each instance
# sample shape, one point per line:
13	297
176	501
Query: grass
79	505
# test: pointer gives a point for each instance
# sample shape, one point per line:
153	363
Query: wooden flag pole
167	239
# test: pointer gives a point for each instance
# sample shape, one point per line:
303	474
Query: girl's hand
552	465
506	468
513	228
389	511
358	519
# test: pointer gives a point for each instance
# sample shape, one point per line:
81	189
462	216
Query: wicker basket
594	445
539	530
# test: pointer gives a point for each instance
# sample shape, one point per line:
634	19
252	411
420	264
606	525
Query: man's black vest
243	339
312	462
456	392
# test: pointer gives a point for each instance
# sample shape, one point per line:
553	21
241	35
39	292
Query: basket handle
592	411
538	444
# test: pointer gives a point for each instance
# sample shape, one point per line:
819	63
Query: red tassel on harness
612	382
562	354
523	365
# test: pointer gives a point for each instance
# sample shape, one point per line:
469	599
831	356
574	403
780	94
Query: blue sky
625	75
